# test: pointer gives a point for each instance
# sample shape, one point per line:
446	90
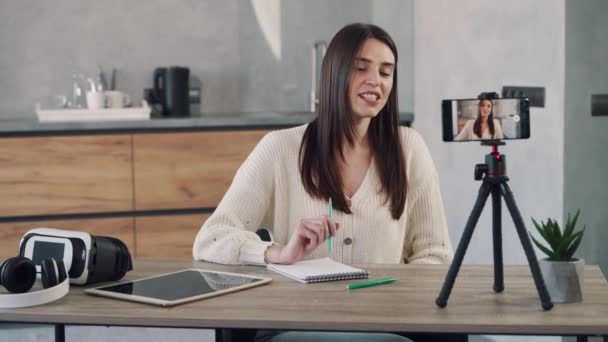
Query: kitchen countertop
206	121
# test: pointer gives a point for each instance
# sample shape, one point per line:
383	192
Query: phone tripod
495	183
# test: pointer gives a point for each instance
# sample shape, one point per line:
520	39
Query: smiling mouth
370	96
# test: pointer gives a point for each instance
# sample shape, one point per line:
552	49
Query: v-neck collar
363	188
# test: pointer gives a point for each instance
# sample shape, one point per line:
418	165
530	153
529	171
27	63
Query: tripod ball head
495	165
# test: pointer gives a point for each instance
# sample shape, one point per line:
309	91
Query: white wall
466	47
463	48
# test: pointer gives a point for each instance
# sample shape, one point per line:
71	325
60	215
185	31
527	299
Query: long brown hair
334	124
477	124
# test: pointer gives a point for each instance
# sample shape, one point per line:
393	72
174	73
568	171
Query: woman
379	176
484	127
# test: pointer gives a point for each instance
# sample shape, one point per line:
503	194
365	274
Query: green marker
370	283
330	210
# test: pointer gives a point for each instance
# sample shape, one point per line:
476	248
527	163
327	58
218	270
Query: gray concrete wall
586	138
44	43
396	17
249	55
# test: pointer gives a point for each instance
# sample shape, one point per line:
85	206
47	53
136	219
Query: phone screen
485	119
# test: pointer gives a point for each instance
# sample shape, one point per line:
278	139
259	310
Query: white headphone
19	274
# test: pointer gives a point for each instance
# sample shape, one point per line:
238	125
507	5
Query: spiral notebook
318	270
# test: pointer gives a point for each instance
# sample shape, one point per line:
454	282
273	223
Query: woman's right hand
309	234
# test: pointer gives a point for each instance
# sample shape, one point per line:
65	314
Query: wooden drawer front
53	175
121	228
188	170
167	237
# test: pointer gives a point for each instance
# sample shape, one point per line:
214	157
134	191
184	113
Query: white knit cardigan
267	191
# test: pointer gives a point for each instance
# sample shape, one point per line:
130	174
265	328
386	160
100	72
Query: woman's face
371	80
485	108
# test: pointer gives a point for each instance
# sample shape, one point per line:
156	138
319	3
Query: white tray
77	114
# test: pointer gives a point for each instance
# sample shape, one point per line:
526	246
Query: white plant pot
564	279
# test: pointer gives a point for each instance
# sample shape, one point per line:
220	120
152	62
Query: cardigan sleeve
228	236
427	240
498	130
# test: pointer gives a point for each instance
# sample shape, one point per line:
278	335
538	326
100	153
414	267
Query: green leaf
562	250
567	226
570	225
574	246
562	244
557	232
544	249
541	230
553	238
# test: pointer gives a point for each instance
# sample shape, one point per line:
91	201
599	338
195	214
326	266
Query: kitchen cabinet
67	174
188	170
151	183
121	228
167	237
133	186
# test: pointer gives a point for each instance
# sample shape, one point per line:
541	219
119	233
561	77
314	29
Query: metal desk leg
59	332
222	335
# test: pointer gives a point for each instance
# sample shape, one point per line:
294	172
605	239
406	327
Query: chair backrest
264	234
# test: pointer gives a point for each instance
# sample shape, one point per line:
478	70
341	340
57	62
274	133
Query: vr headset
60	257
87	259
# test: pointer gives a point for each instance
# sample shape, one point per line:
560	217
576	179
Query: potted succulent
562	272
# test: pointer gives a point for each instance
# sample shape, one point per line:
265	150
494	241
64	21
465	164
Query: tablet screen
181	285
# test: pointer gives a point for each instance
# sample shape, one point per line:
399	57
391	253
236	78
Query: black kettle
171	89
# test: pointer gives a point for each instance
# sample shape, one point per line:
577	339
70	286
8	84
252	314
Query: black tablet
179	287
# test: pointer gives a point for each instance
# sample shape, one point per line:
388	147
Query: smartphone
469	119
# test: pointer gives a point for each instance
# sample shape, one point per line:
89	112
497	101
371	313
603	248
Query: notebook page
308	269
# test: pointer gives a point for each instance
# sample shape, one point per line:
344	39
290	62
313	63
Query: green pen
370	283
330	210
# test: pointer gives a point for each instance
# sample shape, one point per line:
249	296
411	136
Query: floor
45	333
41	333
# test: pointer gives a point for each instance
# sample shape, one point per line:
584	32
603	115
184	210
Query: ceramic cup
117	99
95	100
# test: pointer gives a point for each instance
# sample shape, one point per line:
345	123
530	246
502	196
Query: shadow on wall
260	54
276	40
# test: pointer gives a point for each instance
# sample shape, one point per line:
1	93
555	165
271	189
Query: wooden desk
405	306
